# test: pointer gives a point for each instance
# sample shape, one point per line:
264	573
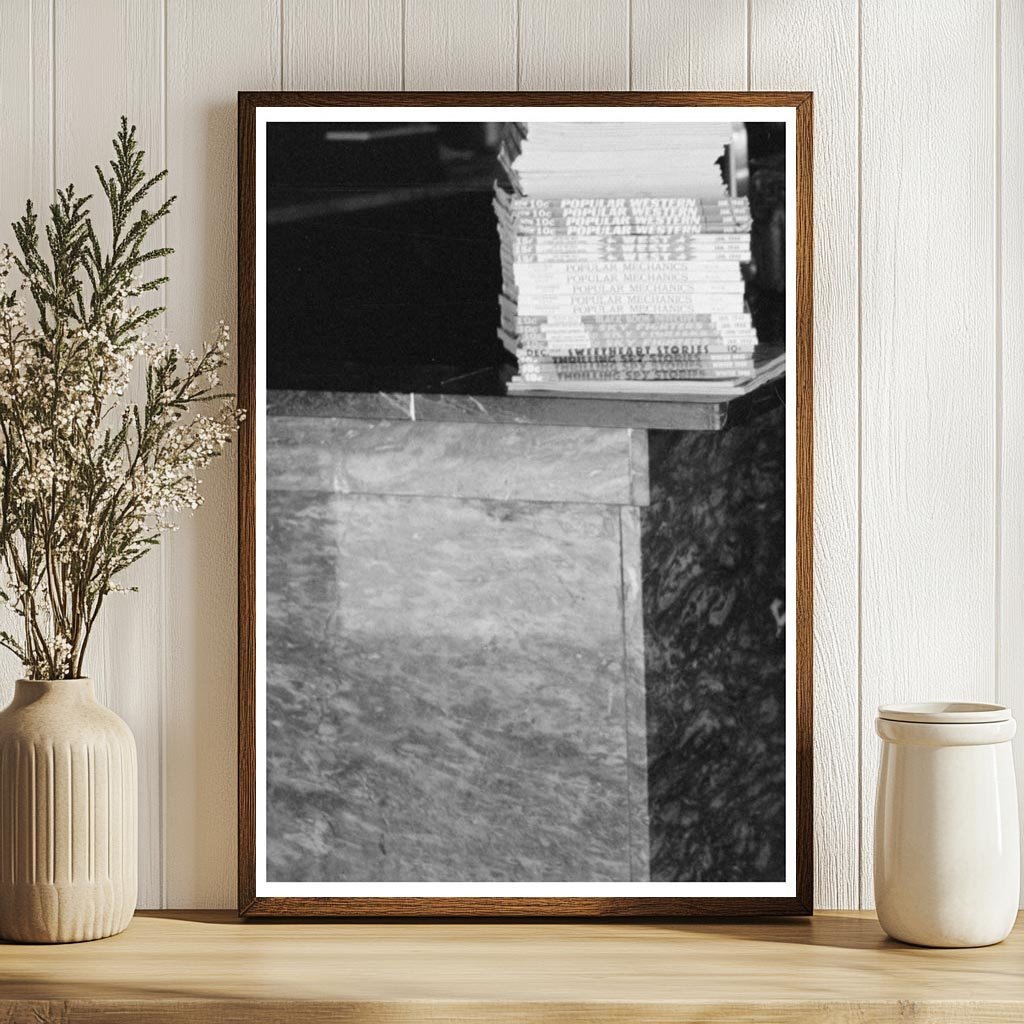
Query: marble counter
687	413
505	648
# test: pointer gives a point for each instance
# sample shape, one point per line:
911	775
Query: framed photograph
525	504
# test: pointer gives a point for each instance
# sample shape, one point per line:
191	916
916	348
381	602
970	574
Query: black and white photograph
525	502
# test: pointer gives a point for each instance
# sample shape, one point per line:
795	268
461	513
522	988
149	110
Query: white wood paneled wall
919	324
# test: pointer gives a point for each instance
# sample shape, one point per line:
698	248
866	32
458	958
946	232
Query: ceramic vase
68	812
947	847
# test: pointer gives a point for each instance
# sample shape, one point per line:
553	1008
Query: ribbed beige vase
68	812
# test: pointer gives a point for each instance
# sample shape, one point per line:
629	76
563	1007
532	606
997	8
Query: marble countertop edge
691	413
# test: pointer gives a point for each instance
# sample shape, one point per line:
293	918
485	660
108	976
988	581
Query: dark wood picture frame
249	904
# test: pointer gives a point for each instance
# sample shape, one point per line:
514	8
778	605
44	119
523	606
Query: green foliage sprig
89	478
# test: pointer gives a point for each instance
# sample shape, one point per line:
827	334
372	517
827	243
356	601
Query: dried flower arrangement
89	478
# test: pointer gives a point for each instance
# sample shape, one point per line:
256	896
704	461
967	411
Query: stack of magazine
621	257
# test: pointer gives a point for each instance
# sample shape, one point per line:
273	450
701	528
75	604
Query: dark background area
382	255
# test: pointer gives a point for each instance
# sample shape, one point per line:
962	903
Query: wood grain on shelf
209	967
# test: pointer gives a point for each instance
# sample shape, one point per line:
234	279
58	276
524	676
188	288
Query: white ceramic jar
947	848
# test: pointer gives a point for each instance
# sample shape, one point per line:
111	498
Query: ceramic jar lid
945	713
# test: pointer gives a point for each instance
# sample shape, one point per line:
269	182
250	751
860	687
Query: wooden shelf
204	967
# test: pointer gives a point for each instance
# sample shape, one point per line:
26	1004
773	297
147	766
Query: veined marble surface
350	405
567	411
447	692
460	460
631	561
538	410
490	659
714	546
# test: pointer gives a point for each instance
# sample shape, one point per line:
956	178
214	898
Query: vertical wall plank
1010	212
126	663
26	107
574	44
342	44
928	363
213	50
781	58
465	45
26	68
690	44
16	185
